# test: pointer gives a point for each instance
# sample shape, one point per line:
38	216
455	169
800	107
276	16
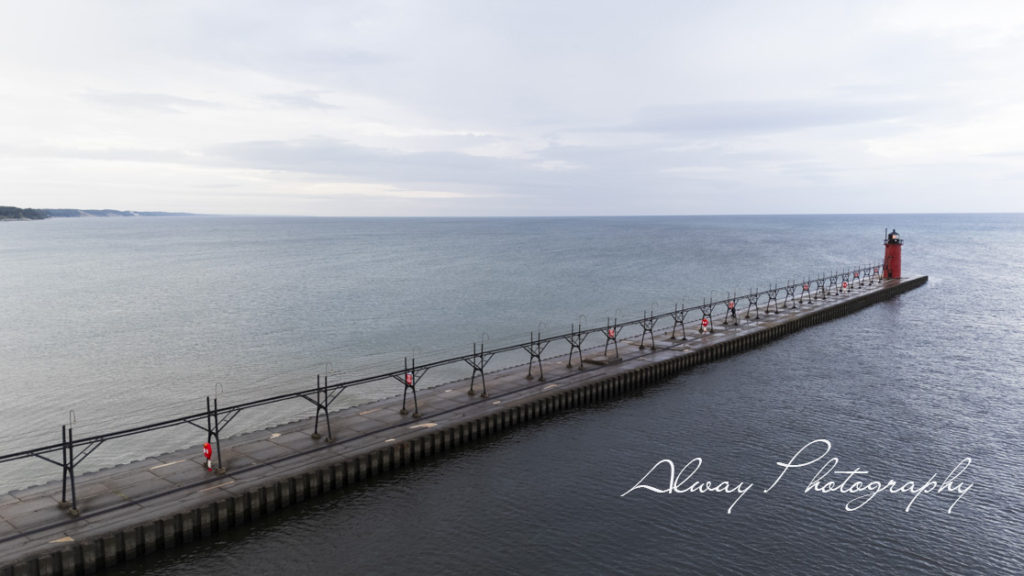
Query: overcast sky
513	107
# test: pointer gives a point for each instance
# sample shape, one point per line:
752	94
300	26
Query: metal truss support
535	348
69	459
611	334
820	288
409	378
846	281
215	425
478	362
790	301
752	302
833	284
678	319
707	321
647	324
773	296
730	312
806	290
68	465
323	401
575	339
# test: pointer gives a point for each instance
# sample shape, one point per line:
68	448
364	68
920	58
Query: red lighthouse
891	265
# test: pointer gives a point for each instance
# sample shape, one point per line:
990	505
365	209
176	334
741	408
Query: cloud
148	102
758	117
97	153
336	158
301	100
522	107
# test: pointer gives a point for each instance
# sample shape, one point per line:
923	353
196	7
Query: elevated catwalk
170	500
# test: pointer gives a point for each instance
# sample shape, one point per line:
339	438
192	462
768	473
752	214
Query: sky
512	108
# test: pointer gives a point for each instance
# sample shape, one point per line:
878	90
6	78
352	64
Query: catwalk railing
70	452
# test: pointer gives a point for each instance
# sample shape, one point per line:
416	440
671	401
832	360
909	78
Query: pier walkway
170	500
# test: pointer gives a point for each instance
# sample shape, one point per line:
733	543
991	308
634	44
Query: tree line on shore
14	213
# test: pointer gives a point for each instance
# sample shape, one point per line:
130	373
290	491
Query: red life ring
704	322
408	378
611	332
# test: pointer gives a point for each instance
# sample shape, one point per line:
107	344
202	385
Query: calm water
131	320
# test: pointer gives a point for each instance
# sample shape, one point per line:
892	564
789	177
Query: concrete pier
170	500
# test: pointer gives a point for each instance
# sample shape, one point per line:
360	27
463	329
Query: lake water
133	320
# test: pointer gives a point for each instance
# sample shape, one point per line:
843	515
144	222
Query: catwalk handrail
871	271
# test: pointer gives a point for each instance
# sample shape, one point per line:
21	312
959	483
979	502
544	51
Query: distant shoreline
14	213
